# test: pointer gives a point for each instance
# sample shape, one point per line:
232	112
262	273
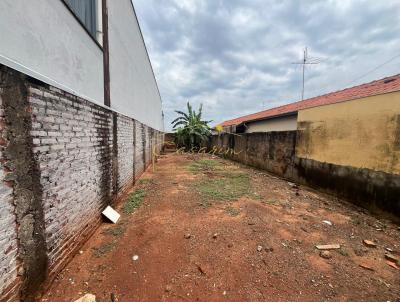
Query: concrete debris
87	298
392	258
111	214
168	288
369	243
389	249
327	222
366	266
328	247
325	254
392	264
187	236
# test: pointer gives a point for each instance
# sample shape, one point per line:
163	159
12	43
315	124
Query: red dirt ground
286	222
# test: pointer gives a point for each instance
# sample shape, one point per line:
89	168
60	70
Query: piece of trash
328	246
215	235
113	298
293	185
187	236
224	293
365	266
135	258
259	248
81	252
111	214
304	229
369	243
201	270
327	222
389	249
87	298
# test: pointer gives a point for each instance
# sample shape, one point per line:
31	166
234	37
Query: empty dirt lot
208	229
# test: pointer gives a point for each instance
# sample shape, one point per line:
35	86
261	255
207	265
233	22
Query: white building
61	43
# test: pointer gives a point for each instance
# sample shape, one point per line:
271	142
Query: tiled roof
385	85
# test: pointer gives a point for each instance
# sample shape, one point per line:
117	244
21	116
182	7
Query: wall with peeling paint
362	133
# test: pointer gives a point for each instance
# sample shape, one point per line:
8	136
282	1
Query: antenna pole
305	62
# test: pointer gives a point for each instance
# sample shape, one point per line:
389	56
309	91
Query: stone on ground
87	298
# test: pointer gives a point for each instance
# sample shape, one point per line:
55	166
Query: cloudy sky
235	56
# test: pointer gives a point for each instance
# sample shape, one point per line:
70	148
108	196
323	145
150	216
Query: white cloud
234	56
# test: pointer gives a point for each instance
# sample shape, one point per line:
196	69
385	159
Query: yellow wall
362	133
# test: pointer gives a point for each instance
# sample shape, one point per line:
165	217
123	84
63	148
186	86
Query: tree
190	130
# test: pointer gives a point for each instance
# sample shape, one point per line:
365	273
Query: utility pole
306	61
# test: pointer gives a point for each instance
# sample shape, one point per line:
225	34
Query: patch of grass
103	249
145	181
203	165
115	231
232	211
270	202
229	186
133	201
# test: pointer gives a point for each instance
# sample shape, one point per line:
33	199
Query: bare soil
201	234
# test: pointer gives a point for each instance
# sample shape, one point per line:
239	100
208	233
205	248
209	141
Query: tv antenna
306	61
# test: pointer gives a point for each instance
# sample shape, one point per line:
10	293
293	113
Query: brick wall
139	147
9	264
84	156
126	148
73	145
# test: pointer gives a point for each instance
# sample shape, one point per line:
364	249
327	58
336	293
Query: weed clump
115	231
133	201
228	186
232	211
103	249
204	165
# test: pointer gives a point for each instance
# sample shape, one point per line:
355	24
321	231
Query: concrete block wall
76	158
276	152
272	151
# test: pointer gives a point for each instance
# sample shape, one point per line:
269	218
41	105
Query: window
85	11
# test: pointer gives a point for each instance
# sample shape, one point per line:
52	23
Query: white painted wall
42	38
133	87
286	123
